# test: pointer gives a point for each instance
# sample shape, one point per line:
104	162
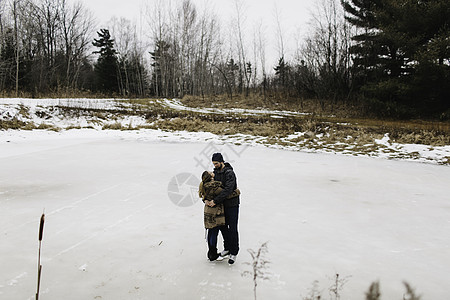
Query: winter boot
231	259
213	255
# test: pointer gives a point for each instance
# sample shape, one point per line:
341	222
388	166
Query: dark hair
206	176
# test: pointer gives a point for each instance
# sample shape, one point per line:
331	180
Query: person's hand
212	204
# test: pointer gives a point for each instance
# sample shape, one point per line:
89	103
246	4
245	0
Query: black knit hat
217	157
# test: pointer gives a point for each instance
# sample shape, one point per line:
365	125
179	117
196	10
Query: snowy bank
100	114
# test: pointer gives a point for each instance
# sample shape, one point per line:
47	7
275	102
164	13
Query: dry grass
338	109
220	127
224	101
276	101
339	120
59	93
12	124
16	124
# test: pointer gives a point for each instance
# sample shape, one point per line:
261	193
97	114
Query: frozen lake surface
114	231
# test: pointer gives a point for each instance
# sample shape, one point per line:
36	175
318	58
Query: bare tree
2	11
3	67
122	32
77	25
280	39
15	7
208	52
130	56
261	48
51	40
159	30
240	27
187	42
50	11
325	52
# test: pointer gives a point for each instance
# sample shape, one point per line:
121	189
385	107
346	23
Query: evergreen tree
106	68
402	57
282	73
368	60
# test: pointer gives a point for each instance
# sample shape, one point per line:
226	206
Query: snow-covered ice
113	232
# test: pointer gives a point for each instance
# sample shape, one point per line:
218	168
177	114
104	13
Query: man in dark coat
223	172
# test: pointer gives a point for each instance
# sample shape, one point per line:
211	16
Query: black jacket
229	183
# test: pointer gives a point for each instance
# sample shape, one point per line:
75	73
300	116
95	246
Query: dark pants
212	238
229	232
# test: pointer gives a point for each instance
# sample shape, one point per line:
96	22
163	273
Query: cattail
41	227
41	233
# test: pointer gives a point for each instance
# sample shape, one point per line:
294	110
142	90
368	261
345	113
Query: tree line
391	55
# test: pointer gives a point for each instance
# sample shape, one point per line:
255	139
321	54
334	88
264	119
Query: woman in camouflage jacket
214	216
208	189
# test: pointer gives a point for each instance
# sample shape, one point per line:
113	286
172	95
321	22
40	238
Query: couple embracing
220	194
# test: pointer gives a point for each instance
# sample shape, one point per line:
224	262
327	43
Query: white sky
292	14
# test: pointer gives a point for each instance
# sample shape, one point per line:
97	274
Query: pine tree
282	73
401	58
106	68
368	44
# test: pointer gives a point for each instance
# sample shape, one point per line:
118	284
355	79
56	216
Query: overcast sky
293	15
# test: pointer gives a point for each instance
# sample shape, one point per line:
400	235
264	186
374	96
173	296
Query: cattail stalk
41	233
